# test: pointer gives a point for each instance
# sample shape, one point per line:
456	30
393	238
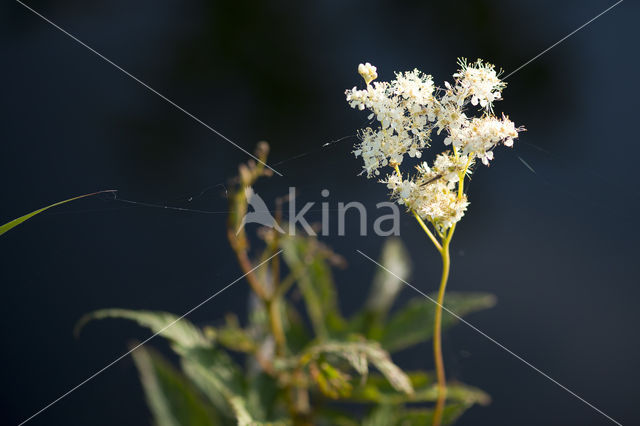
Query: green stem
423	225
437	336
426	230
443	249
437	326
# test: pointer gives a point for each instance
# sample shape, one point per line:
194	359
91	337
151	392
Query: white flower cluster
403	109
479	136
407	110
478	81
432	193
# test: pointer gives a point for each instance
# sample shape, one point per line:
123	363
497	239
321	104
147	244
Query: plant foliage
296	362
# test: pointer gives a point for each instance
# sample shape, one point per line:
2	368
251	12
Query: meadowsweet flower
479	81
406	111
479	136
403	109
449	115
400	188
368	72
414	86
449	167
430	195
374	96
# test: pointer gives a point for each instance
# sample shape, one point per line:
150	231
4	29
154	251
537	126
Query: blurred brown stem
246	266
271	296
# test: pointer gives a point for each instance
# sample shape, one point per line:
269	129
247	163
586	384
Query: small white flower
480	136
450	167
479	81
368	72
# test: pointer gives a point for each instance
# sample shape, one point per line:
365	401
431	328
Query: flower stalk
443	249
408	110
437	338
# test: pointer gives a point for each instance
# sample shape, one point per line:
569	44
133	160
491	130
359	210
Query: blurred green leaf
15	222
257	317
377	390
171	399
331	381
316	283
358	355
393	415
179	331
421	417
297	334
262	393
370	320
386	285
414	322
381	415
220	379
327	416
232	336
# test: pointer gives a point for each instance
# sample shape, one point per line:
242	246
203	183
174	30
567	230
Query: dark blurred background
558	247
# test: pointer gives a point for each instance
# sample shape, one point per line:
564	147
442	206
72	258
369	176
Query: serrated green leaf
171	399
15	222
414	322
179	331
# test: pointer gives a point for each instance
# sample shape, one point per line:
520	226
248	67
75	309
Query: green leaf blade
170	397
377	390
315	282
359	354
15	222
414	323
179	331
